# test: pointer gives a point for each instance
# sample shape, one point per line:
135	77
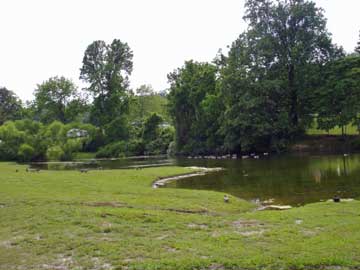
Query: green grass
84	155
115	220
349	130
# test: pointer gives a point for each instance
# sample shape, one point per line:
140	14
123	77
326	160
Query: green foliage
338	99
57	99
151	127
190	88
146	102
54	153
26	152
160	144
285	40
106	68
10	106
26	140
357	49
70	148
117	130
113	150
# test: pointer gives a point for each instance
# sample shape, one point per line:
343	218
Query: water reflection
294	180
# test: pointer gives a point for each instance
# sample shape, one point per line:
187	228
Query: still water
294	180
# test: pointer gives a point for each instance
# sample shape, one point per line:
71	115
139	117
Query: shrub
11	138
70	148
54	153
135	147
25	153
161	144
113	150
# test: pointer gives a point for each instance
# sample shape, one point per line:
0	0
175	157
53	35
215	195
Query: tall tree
106	68
10	105
285	38
57	99
338	99
142	93
357	49
190	87
255	115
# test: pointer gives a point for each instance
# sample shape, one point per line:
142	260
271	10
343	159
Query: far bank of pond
283	179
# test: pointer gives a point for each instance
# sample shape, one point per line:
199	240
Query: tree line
278	77
116	121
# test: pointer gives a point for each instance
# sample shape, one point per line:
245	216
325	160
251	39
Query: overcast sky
44	38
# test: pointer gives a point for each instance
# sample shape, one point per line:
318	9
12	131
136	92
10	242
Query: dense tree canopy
285	38
57	99
190	86
106	68
260	95
338	99
10	106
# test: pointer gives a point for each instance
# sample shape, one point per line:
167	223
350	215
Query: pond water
293	180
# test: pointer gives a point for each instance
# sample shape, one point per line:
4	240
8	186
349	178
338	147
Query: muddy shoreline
162	181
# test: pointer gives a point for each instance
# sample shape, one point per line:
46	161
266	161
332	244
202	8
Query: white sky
44	38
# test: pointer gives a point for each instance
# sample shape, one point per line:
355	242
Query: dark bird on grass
84	170
336	198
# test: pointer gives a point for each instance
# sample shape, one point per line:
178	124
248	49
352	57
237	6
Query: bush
25	153
113	150
10	140
70	148
117	130
161	144
54	153
135	147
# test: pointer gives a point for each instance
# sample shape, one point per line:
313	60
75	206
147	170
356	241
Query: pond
286	179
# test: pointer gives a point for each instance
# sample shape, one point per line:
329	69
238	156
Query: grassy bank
115	220
337	131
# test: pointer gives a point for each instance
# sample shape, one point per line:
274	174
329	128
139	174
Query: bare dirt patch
249	227
243	223
6	244
198	226
107	204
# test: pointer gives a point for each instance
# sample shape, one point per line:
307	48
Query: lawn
349	130
113	219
